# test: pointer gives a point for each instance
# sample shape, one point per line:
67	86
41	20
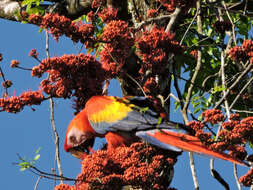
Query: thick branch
8	9
69	8
173	19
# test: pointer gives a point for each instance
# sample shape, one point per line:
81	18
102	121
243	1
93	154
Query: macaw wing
108	113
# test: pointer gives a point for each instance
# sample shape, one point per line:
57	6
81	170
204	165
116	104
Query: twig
201	40
245	7
181	101
38	172
129	76
247	69
173	19
224	83
105	88
48	175
189	93
240	93
231	21
246	14
198	66
187	30
208	77
37	183
56	136
150	20
173	96
23	68
236	177
2	74
242	111
193	170
218	177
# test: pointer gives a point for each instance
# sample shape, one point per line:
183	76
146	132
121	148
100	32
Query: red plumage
125	120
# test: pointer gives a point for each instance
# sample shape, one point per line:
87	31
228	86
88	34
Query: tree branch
240	93
236	177
218	177
56	136
247	69
37	183
173	19
69	8
8	9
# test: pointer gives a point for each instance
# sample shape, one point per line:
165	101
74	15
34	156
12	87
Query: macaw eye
72	139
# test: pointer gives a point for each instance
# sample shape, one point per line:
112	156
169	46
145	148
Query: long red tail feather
190	143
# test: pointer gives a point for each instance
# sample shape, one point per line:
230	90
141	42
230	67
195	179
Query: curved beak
83	149
78	154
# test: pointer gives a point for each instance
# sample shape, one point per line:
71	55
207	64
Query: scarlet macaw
123	120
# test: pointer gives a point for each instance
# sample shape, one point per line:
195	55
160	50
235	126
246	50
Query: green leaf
196	110
194	105
40	30
35	10
159	121
37	157
22	169
177	105
38	150
219	88
250	144
143	110
24	166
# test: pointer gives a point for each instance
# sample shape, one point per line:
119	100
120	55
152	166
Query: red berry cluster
139	165
198	130
33	53
237	132
194	53
7	84
63	187
152	13
60	25
172	4
195	125
247	179
213	116
102	10
155	47
98	3
80	76
242	53
234	117
238	152
222	26
15	104
108	14
248	47
14	63
116	51
151	86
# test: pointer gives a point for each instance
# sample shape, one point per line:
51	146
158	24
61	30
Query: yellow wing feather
112	112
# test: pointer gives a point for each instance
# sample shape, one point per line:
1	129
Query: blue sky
28	130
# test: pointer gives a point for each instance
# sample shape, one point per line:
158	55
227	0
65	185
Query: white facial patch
75	137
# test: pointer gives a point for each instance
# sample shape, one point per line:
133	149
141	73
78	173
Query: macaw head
80	136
